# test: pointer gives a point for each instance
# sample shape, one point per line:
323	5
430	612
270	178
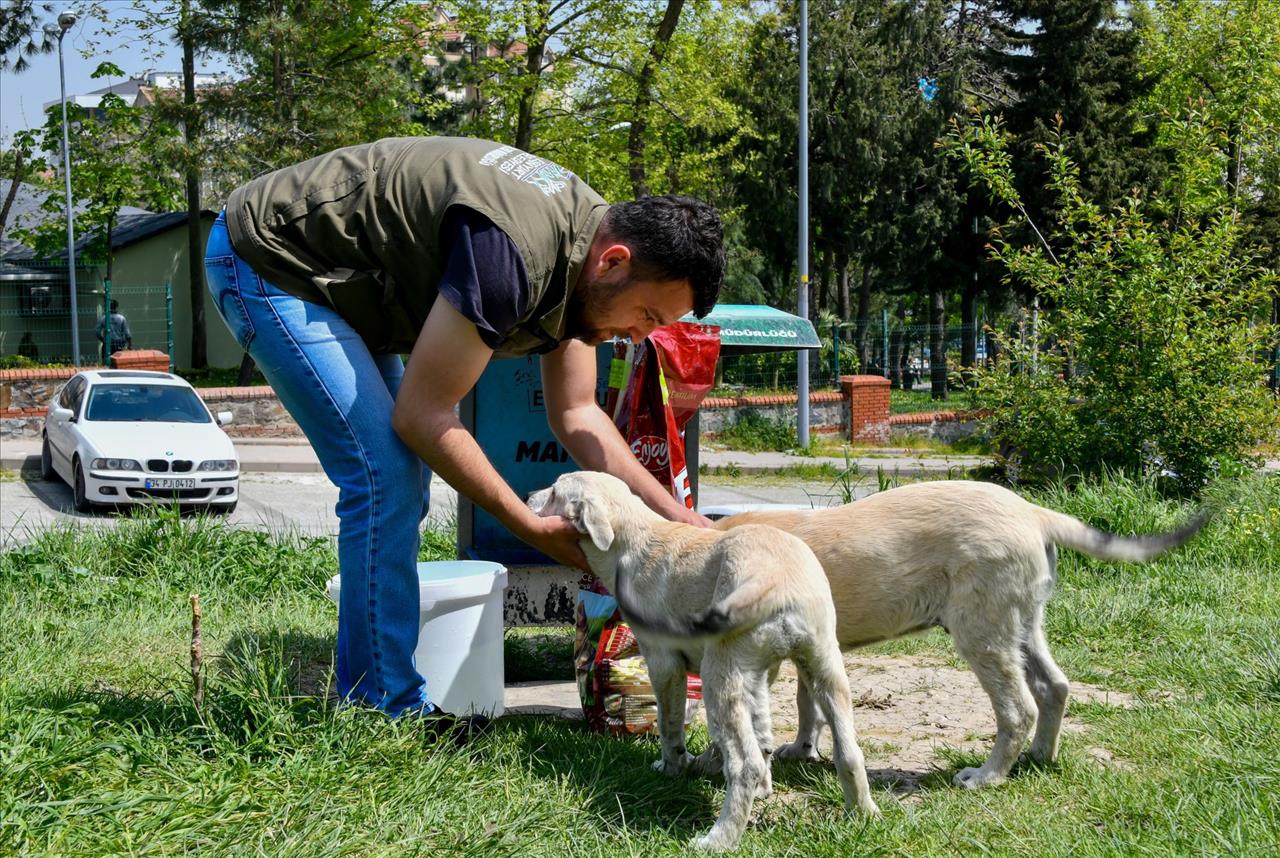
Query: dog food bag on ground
654	388
613	682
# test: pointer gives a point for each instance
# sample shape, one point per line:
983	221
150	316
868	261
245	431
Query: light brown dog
731	605
971	557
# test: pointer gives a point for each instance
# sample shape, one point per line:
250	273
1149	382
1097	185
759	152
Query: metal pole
106	322
835	349
802	299
66	169
884	340
168	320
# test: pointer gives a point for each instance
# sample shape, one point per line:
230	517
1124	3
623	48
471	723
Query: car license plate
163	483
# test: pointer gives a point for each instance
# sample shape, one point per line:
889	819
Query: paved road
304	503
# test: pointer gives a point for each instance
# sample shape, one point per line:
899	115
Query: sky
22	96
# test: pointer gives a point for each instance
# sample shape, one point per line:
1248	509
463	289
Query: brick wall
868	397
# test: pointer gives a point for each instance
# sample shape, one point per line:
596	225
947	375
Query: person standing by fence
116	325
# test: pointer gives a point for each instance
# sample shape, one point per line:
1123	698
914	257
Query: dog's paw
709	762
713	841
976	779
796	751
673	768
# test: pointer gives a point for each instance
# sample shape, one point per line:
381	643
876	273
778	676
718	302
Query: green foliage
1154	328
21	361
754	432
119	157
22	33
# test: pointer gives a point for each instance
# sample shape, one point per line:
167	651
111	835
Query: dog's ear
592	521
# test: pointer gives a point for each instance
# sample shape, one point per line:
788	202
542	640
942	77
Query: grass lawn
102	751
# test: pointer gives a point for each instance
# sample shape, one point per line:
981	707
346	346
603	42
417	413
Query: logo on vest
548	177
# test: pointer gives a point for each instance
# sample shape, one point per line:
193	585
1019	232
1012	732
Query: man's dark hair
115	305
673	238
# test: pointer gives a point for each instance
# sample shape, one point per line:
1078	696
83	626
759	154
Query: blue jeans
342	397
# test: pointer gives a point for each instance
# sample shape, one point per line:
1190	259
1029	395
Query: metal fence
36	321
906	345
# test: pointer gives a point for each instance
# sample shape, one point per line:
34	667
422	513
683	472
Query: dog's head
589	500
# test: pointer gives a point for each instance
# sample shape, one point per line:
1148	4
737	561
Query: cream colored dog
730	605
971	557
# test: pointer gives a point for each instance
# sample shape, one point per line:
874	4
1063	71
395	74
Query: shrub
1154	323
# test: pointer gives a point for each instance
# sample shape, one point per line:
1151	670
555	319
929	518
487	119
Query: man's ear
614	255
593	522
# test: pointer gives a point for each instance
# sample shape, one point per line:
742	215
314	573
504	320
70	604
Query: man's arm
447	359
569	385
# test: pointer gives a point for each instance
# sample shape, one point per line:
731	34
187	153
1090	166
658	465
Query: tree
17	162
117	159
22	33
313	76
1077	60
1163	313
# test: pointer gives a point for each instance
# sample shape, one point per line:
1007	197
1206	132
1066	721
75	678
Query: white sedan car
133	437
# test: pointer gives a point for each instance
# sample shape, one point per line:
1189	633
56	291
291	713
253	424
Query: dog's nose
537	500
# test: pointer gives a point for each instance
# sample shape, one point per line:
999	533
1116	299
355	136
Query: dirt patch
908	710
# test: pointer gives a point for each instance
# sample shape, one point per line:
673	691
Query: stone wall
827	411
25	395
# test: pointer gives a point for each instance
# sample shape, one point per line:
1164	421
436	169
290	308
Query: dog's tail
750	602
1066	530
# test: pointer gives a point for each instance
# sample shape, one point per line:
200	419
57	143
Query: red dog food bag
654	388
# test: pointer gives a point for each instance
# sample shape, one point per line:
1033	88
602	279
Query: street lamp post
802	297
65	21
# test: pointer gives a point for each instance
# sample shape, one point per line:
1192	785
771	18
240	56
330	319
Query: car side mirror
224	417
62	413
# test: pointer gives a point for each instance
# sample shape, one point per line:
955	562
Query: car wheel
223	508
46	460
78	491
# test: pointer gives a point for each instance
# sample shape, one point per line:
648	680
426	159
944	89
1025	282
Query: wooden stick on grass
197	652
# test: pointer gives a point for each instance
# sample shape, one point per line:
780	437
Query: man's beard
585	313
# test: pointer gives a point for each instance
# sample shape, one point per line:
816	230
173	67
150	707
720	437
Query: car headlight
115	465
217	465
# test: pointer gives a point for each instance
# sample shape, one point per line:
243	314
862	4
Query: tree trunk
1274	380
824	285
937	343
246	371
864	320
968	331
195	235
19	169
1233	158
111	257
842	272
969	326
894	357
644	98
537	33
906	376
993	348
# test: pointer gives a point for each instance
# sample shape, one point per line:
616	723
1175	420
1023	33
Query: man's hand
569	384
692	516
558	539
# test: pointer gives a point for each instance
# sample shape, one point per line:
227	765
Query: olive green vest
358	230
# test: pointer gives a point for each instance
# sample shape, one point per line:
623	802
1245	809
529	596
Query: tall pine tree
1076	62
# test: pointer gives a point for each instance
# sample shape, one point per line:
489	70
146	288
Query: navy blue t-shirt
484	278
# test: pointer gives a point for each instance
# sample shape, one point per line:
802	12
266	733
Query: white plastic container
459	648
